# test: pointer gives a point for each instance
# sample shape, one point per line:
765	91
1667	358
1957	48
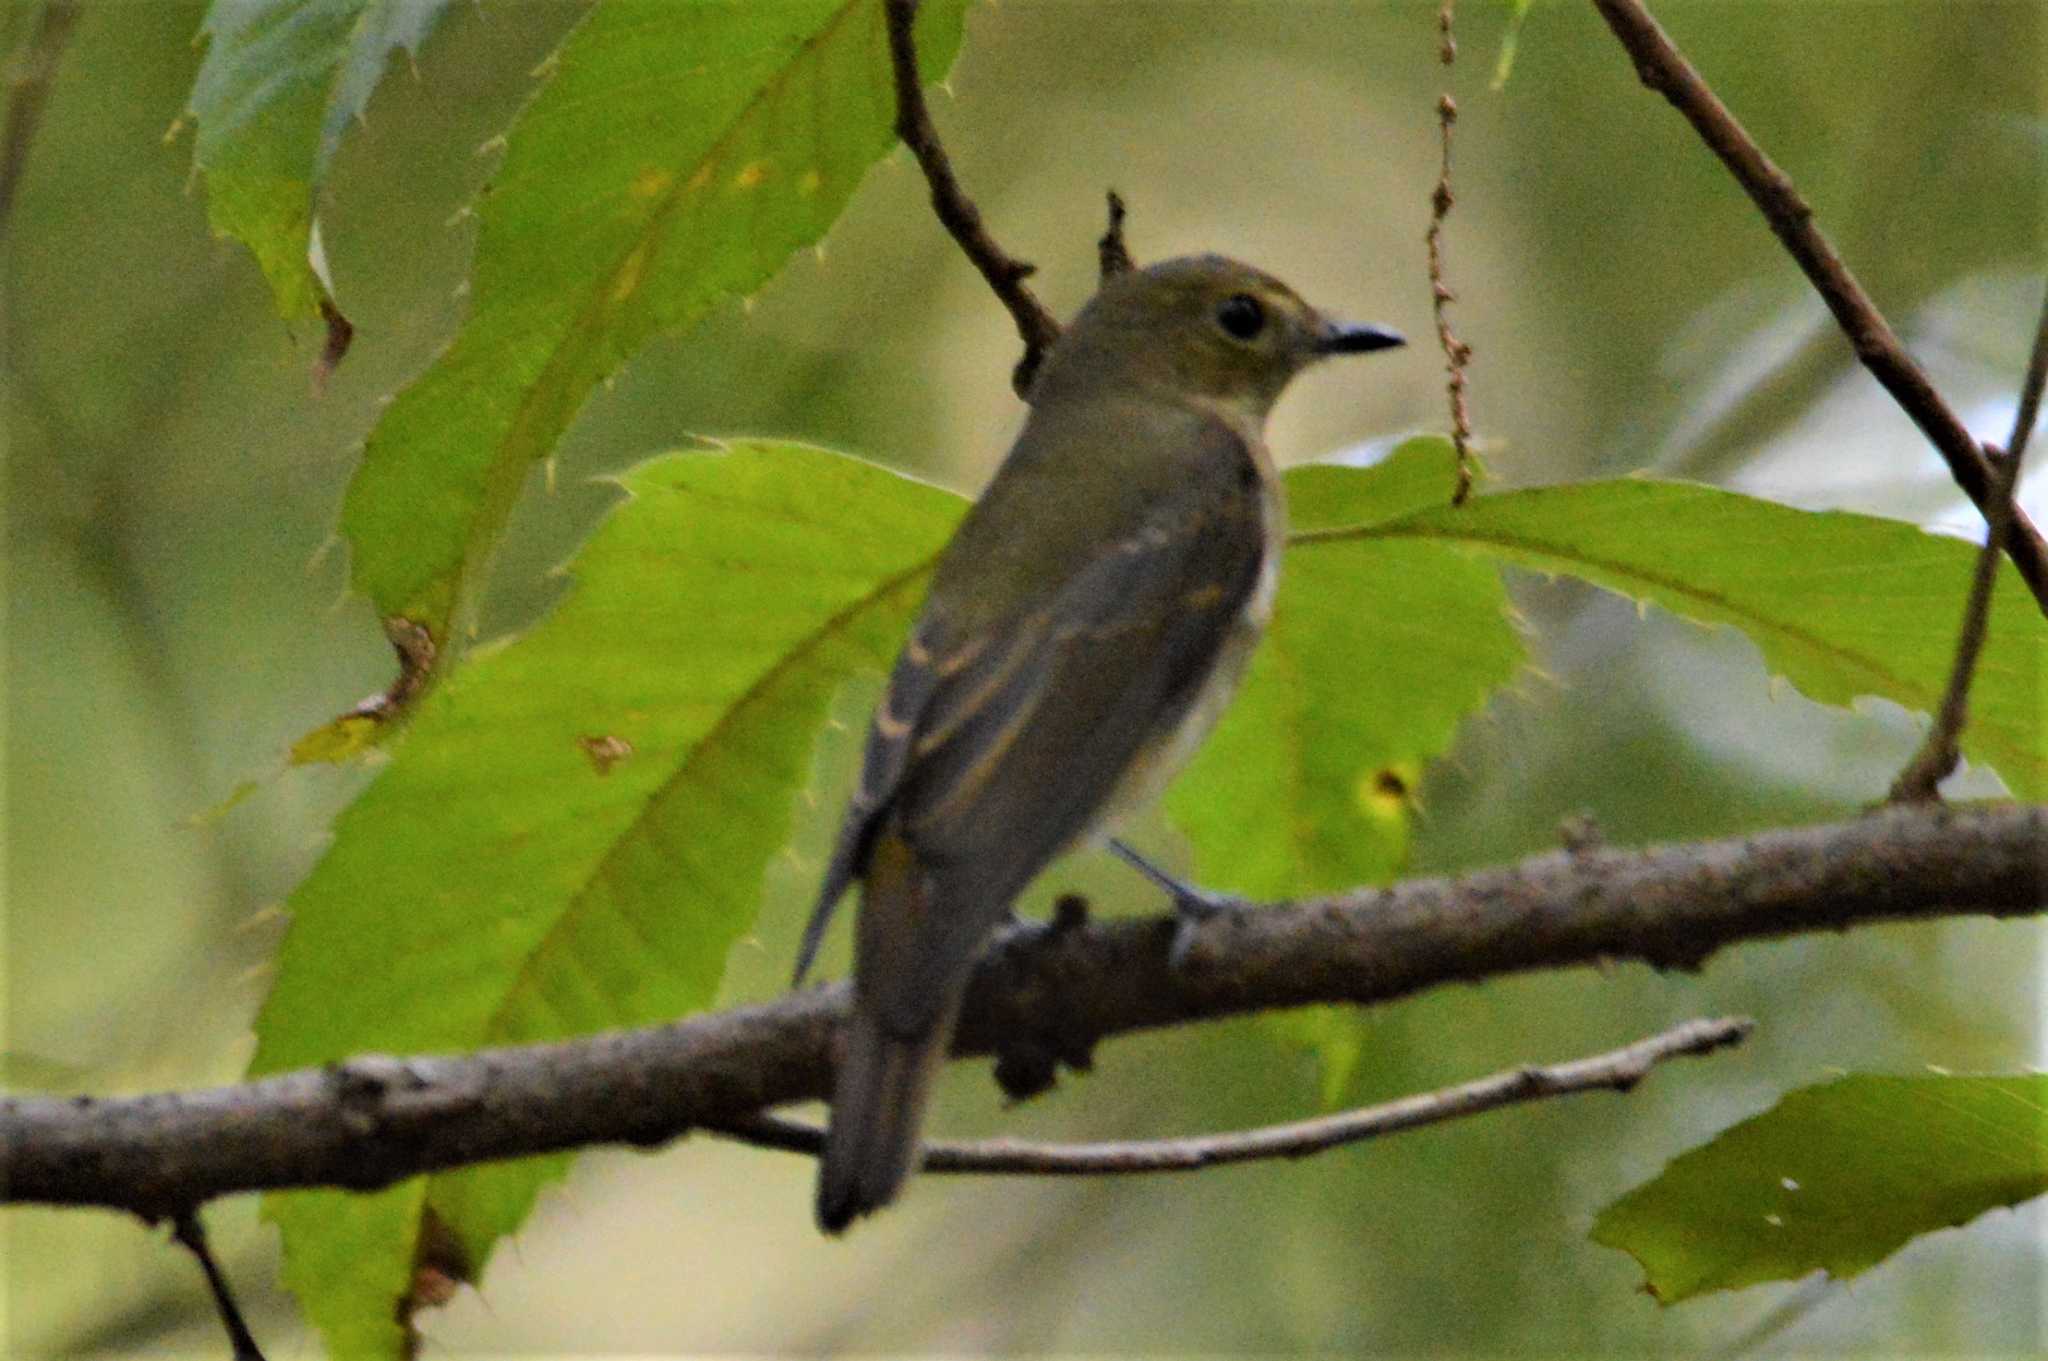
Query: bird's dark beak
1345	337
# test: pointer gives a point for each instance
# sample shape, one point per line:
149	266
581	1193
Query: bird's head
1204	327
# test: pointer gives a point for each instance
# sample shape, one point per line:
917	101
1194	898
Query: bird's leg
1191	905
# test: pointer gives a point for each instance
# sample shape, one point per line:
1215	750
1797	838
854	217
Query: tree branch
1617	1070
1665	70
368	1122
1941	752
187	1229
1004	272
1457	354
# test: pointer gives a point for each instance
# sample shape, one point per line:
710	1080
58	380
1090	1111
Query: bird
1085	626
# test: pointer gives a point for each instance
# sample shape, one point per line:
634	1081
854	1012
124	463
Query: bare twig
29	89
1004	272
2031	389
1665	70
1457	354
186	1228
368	1122
1940	753
1617	1070
1112	256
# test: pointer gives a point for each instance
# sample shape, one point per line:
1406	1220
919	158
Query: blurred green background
174	620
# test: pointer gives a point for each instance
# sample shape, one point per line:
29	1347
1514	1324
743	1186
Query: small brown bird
1085	627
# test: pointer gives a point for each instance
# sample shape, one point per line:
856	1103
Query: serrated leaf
574	828
1842	605
280	83
348	1262
1378	649
676	156
1834	1178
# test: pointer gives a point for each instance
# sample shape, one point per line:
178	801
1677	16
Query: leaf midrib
1681	589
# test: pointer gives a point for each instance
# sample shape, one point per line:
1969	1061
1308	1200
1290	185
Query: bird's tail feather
878	1105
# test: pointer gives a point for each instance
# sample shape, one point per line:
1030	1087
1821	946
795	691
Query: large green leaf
280	84
574	829
1834	1178
1842	605
1378	648
676	156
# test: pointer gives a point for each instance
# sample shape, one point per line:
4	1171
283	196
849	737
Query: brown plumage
1084	627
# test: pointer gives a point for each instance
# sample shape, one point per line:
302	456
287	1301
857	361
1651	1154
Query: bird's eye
1241	316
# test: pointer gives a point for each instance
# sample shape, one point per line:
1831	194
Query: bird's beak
1345	337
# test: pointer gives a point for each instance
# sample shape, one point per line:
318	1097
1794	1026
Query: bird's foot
1192	906
1028	1063
1019	932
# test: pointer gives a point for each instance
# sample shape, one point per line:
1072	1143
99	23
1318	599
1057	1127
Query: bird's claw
1192	908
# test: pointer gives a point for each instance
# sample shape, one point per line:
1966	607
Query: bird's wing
994	751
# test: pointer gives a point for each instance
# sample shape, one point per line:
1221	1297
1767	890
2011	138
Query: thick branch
1664	69
1617	1070
371	1121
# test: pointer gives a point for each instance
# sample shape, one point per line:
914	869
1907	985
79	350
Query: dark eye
1241	316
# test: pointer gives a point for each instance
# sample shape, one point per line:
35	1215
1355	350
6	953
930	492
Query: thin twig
186	1228
369	1121
1457	354
1938	755
1112	256
1004	272
30	90
1665	70
1617	1070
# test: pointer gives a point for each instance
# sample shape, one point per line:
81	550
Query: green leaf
280	83
1842	605
676	156
1378	649
573	830
349	1261
1834	1178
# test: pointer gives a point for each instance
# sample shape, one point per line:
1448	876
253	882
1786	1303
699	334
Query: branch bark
1664	69
368	1122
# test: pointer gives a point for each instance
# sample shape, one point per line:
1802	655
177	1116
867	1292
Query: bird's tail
878	1105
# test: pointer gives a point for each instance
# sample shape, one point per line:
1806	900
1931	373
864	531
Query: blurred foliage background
173	622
